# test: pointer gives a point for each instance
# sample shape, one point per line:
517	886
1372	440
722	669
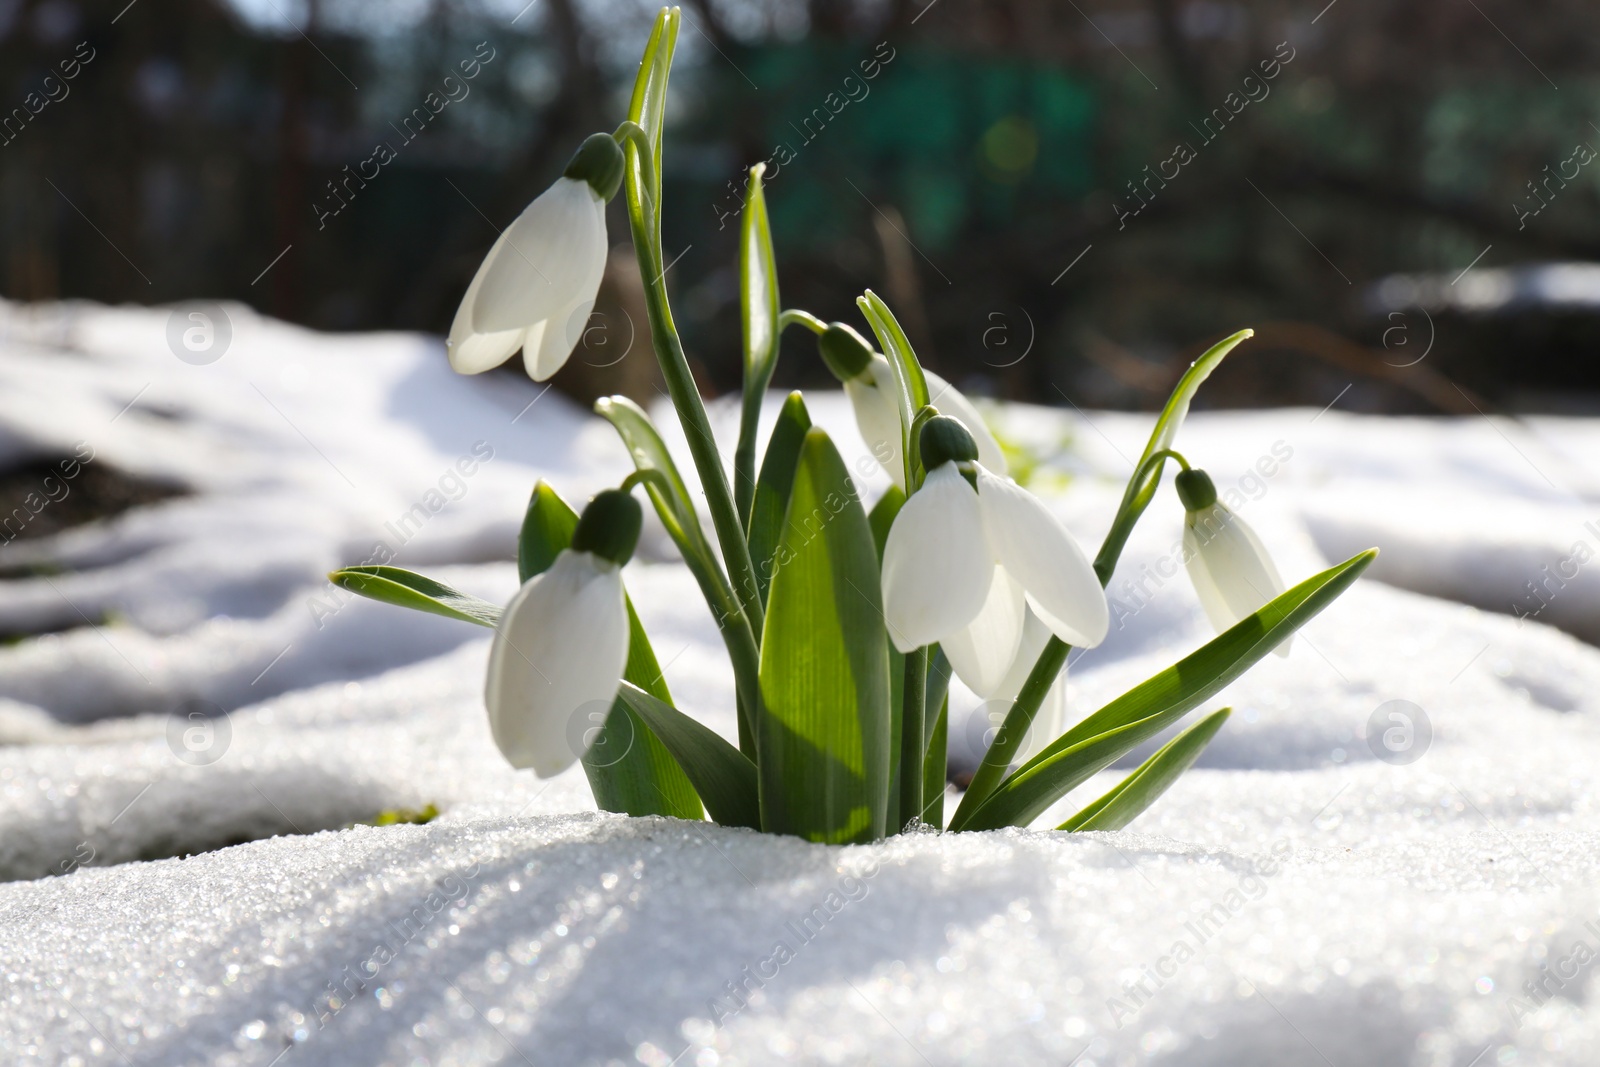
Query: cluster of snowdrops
843	624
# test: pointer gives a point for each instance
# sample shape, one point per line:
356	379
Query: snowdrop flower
1232	574
870	385
560	648
536	287
970	554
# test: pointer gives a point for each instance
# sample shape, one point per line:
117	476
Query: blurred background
1065	202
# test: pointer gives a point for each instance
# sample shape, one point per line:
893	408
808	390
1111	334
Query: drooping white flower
869	384
561	645
963	565
1232	573
536	287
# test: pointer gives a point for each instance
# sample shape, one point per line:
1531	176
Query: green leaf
881	517
1147	475
936	769
1157	703
1177	406
648	105
628	769
912	385
936	710
1128	800
403	588
758	307
824	740
547	528
722	775
772	489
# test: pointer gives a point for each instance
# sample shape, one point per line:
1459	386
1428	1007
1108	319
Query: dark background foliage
1010	178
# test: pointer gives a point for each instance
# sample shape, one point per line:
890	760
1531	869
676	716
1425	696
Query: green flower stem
686	394
1008	742
797	317
1148	476
631	133
913	736
737	634
744	456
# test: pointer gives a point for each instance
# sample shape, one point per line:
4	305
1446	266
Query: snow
1295	900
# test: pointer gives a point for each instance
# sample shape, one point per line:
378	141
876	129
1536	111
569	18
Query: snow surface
1296	900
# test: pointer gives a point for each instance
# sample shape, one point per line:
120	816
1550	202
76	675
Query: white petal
936	568
1211	599
1033	546
551	342
556	662
948	399
872	396
474	353
1232	574
550	258
982	652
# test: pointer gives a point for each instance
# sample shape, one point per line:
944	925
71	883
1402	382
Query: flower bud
598	161
1195	489
945	440
846	352
609	526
